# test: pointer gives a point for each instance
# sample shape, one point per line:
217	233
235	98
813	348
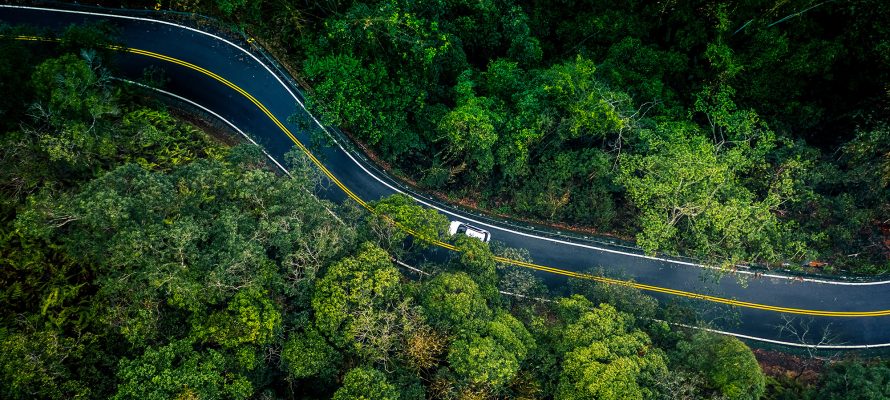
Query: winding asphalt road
227	78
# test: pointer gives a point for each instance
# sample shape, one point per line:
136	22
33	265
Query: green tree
644	71
868	157
477	260
394	214
228	7
250	318
403	52
511	333
855	380
491	357
625	299
592	111
366	384
481	360
571	185
524	46
156	140
469	132
307	354
521	130
39	364
73	95
605	358
452	302
177	370
729	367
691	196
192	240
608	371
353	297
348	95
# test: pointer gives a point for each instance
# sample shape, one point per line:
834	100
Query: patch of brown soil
778	364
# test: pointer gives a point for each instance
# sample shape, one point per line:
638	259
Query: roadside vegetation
142	259
733	132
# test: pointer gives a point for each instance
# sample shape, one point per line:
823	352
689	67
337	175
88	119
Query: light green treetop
366	384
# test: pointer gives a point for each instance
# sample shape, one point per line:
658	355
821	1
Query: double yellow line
572	274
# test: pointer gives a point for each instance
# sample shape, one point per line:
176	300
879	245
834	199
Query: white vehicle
469	230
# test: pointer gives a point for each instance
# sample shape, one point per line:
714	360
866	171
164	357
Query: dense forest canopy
735	131
140	258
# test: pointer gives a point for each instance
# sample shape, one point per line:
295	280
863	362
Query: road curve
232	83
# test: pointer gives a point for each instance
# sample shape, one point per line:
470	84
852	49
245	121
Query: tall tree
74	94
395	214
691	196
726	363
177	370
307	354
366	384
453	303
356	299
605	357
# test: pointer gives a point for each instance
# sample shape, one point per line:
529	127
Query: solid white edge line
792	344
717	331
720	332
422	201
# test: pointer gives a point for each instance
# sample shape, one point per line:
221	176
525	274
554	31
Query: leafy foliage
852	380
308	354
690	195
569	111
141	259
395	216
355	294
365	384
725	362
177	370
453	301
604	358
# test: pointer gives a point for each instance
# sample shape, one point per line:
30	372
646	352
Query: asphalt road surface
222	76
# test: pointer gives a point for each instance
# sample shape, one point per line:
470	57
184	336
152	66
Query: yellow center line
572	274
